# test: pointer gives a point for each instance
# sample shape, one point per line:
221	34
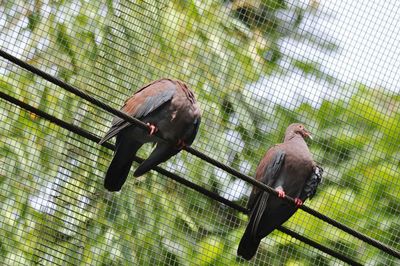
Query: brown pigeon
167	106
288	168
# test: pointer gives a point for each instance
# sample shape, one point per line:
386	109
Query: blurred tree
54	209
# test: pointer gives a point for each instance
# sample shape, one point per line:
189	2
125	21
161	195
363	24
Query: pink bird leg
281	193
152	129
298	202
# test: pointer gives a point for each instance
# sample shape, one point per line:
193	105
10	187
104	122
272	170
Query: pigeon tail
120	165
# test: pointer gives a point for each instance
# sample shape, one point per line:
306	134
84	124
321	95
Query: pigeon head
297	129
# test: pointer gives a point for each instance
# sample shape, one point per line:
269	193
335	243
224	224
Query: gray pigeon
167	106
290	169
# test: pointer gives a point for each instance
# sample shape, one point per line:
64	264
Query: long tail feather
120	165
250	241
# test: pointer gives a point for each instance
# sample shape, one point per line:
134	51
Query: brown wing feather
145	101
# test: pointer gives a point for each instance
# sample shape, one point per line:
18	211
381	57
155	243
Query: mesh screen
255	67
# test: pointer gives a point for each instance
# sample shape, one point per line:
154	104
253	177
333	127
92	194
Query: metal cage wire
255	67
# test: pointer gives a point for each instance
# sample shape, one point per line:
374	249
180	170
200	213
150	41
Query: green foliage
53	206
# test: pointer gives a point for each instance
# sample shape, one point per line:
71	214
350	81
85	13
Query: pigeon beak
307	134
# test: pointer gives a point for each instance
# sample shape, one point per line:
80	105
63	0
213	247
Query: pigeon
167	106
290	169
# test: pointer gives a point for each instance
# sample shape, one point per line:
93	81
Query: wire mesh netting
255	67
